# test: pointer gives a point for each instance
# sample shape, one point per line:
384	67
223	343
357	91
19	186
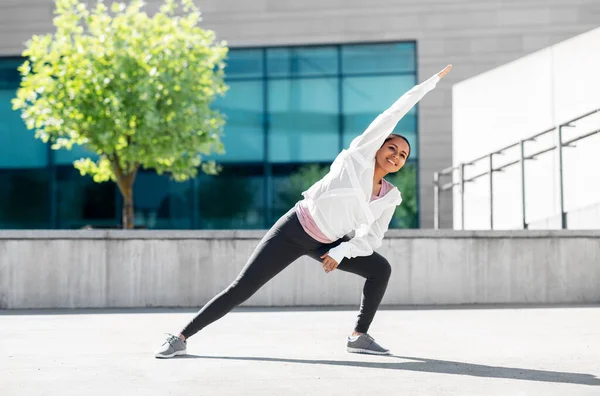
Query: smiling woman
394	152
352	197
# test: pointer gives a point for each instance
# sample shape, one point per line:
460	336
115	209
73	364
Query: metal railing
438	187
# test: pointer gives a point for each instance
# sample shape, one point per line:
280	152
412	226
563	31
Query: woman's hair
395	135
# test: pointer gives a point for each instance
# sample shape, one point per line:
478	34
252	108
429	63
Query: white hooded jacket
341	202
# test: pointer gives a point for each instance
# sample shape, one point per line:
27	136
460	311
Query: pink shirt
309	224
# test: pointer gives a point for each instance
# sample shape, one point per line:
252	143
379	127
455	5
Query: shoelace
172	339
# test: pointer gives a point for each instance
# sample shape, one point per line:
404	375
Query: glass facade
289	111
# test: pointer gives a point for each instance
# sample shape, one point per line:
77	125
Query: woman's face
392	155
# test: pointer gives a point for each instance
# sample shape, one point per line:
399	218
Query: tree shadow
438	367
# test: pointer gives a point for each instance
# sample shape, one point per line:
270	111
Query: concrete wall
76	269
516	101
475	36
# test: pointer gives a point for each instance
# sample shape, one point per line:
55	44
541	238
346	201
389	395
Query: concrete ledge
257	234
142	268
131	234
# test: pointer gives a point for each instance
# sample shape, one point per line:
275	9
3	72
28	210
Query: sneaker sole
178	353
366	351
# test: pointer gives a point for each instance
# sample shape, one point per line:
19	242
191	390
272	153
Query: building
552	91
305	78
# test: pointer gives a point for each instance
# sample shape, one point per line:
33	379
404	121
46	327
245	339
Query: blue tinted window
304	120
234	199
83	202
162	203
279	62
66	157
378	58
242	107
308	102
302	61
244	63
18	146
24	198
364	98
9	73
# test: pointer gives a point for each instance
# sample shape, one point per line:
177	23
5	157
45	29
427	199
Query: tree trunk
128	215
125	182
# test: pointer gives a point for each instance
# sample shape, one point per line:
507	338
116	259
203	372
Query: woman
353	196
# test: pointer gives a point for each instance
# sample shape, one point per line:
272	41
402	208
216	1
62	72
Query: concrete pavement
437	351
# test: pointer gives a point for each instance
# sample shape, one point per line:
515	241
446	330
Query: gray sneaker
365	344
173	346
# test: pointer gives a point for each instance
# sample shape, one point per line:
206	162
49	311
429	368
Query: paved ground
533	351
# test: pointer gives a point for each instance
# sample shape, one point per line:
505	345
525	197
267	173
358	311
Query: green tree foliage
134	89
406	215
299	181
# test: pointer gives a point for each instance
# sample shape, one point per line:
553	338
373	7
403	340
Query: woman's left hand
446	70
329	264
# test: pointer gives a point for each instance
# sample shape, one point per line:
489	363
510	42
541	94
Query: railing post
436	200
491	170
462	196
563	216
523	202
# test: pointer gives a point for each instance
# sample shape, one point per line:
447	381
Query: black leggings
285	242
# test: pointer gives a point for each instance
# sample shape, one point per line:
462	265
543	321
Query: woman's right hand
329	263
445	71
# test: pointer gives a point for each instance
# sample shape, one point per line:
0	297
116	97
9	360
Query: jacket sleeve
366	239
373	137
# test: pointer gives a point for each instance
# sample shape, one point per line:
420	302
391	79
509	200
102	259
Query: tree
136	90
300	181
406	215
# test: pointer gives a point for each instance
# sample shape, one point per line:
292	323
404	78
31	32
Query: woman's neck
378	175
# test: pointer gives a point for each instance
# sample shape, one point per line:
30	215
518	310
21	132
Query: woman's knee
384	269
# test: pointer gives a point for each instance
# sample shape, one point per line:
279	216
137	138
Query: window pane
367	97
242	107
244	63
67	157
290	180
302	61
234	199
279	62
83	202
304	118
316	61
18	146
9	73
24	198
161	203
378	58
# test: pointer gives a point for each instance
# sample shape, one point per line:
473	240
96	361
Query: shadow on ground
437	366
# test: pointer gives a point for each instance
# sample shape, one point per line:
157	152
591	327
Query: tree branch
134	173
114	162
